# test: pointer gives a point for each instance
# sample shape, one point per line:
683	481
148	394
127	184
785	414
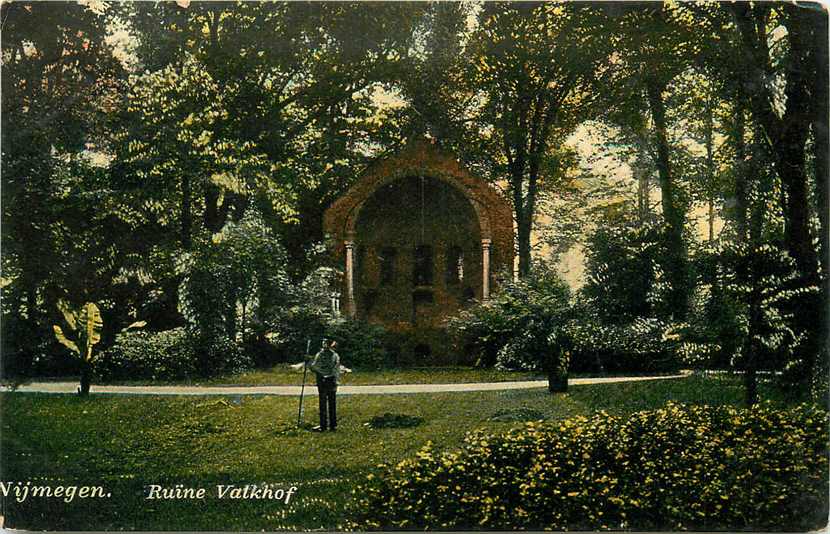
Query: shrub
232	281
778	340
219	355
644	345
360	344
623	271
166	355
732	469
521	327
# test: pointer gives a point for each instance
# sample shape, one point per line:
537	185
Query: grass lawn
283	375
127	443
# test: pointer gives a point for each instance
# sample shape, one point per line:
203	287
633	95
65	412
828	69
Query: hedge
167	355
678	467
640	346
137	355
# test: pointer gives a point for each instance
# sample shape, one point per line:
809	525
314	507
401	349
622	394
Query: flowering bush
729	469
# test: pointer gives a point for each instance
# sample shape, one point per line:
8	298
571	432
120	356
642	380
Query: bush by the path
167	355
360	344
639	346
149	355
679	467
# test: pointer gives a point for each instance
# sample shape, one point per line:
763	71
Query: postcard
353	266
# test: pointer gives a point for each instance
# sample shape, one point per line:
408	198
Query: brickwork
417	220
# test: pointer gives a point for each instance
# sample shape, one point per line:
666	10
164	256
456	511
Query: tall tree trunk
86	378
756	228
741	192
786	138
710	168
186	215
787	135
790	146
752	348
523	219
524	227
711	219
211	221
31	301
642	194
792	170
821	146
673	211
746	170
556	368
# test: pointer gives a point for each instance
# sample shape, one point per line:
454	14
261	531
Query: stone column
485	269
350	278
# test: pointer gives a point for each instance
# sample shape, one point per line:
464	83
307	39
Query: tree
234	280
656	42
786	135
532	92
623	272
171	151
60	78
770	59
301	98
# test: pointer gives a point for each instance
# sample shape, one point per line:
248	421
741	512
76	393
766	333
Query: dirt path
71	387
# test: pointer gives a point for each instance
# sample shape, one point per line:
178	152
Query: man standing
326	367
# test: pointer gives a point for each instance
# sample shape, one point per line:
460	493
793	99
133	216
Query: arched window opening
455	266
360	265
386	259
422	266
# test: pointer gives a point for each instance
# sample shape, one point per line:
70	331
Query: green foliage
730	469
775	289
233	280
535	70
623	276
86	324
646	344
359	343
166	355
521	327
281	122
623	320
177	158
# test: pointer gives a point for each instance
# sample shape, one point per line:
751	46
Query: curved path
71	387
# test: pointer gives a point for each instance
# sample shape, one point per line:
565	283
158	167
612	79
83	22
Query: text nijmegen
21	491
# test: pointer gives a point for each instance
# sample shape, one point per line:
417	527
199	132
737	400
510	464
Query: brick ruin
418	236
